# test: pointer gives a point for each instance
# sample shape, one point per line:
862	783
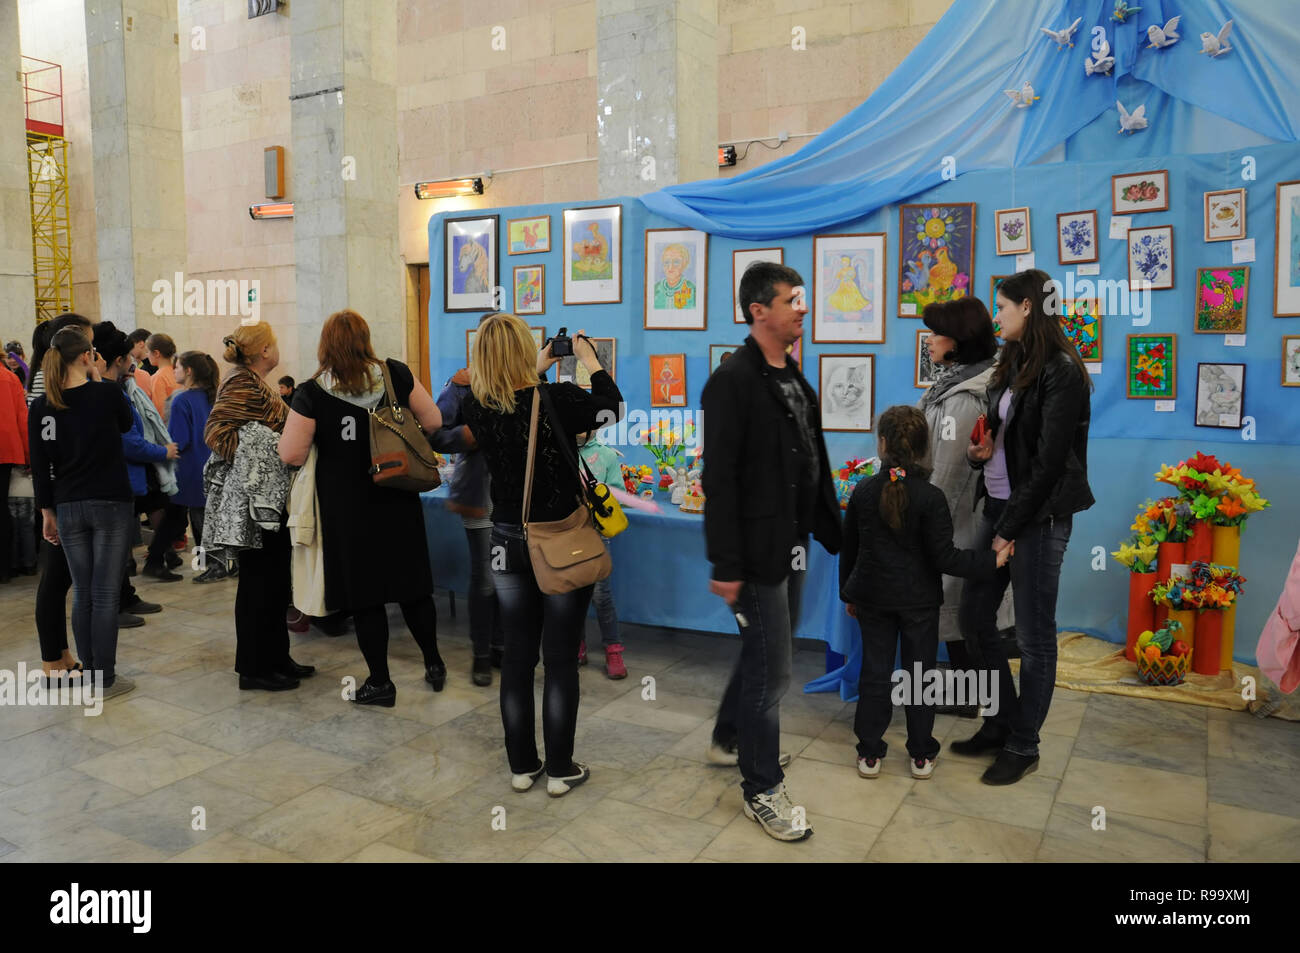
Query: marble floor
188	768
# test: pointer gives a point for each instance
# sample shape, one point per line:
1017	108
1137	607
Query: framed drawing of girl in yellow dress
849	288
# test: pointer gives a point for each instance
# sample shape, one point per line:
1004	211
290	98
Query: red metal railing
43	95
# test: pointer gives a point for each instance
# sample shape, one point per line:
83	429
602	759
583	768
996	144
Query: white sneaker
522	782
774	812
558	787
869	767
922	768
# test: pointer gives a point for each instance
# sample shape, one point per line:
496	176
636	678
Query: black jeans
750	713
1035	572
915	633
484	611
533	619
52	602
170	528
421	617
6	525
261	604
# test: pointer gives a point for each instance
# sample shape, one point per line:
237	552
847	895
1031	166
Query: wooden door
424	327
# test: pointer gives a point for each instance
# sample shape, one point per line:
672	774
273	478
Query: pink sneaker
582	652
614	666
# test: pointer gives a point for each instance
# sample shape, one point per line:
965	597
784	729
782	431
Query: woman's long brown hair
67	345
907	441
1042	339
345	352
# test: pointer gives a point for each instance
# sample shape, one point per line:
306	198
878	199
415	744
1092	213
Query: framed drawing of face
847	391
741	259
1225	215
593	255
676	279
470	266
1220	395
849	288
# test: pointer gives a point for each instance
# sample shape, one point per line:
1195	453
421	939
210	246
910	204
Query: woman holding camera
503	379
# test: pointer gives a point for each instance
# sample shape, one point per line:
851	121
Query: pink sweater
1278	643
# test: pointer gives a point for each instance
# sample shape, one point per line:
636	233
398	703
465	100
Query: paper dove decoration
1023	97
1123	11
1064	37
1100	62
1216	45
1131	122
1161	38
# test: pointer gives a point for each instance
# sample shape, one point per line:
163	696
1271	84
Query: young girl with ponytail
897	548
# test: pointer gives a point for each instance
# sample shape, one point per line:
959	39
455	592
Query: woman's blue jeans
96	537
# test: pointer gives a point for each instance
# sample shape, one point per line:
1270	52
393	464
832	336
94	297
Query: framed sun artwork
936	260
1152	366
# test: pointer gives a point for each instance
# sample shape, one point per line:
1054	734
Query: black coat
753	458
888	570
1046	446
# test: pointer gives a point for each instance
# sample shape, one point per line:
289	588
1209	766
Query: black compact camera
562	344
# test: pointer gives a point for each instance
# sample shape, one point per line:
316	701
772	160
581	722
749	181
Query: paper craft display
936	255
676	279
1065	37
1153	366
1163	36
1225	215
741	259
848	476
528	236
849	288
1100	63
1131	122
1221	299
1216	44
470	268
667	380
1220	395
1023	97
1151	257
1076	237
593	254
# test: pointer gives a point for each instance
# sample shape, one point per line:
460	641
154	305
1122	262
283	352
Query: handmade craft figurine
1216	44
1064	37
1123	11
1023	97
1161	38
1131	122
1100	62
694	500
679	487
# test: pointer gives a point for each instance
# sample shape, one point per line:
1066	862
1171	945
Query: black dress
373	537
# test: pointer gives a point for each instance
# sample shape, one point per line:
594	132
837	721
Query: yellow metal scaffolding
47	166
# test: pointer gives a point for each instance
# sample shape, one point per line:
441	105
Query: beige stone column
135	119
343	179
657	93
17	292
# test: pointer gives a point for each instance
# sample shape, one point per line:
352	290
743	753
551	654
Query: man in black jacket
768	485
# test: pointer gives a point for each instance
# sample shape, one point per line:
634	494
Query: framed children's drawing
1286	263
719	353
593	255
527	236
1291	360
1081	321
741	259
936	260
1151	257
1225	215
1139	192
1221	299
1152	366
470	266
923	376
572	369
676	279
849	288
1076	237
1013	231
848	392
667	380
530	289
1220	395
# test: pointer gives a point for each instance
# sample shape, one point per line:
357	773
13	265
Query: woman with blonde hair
262	599
503	378
375	550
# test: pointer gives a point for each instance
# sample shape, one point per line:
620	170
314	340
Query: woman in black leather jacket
1034	457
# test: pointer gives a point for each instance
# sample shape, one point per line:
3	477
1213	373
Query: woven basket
1166	670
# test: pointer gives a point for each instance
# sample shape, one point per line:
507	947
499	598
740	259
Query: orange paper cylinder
1141	610
1209	630
1227	552
1188	632
1200	545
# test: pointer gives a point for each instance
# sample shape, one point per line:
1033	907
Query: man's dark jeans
1035	572
750	714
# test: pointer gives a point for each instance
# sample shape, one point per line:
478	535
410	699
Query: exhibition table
661	578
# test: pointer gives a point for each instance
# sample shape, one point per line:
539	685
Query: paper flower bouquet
847	477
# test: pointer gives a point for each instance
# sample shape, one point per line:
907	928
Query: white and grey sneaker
729	755
558	787
869	767
922	768
774	812
522	782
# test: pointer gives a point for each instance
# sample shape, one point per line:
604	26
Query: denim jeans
603	598
1035	574
750	713
484	612
95	536
882	631
533	619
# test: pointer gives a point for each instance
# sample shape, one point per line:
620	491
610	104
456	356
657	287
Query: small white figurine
1131	122
1023	97
679	486
1064	37
1217	45
1163	37
1100	62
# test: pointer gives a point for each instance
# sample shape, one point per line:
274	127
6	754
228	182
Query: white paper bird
1099	62
1217	45
1161	38
1064	37
1131	122
1023	97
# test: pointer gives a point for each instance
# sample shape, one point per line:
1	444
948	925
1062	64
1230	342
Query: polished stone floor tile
613	831
833	841
33	755
205	694
387	854
1074	834
230	848
920	835
132	718
500	832
828	790
684	788
360	734
409	779
323	824
82	840
181	815
278	771
619	745
1110	733
1267	741
63	794
152	762
1129	789
1064	718
956	788
240	728
1256	785
667	711
1240	835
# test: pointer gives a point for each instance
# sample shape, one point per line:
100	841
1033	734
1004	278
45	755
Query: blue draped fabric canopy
945	100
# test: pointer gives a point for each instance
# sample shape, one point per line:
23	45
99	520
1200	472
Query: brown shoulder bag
400	455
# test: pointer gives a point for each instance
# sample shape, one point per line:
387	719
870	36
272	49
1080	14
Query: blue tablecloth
661	577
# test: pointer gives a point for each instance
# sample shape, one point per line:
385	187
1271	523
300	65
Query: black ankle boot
987	739
1010	768
482	672
384	694
436	675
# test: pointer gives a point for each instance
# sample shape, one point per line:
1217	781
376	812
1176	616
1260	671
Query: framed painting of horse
471	269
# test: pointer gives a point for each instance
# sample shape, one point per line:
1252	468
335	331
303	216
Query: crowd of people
274	486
